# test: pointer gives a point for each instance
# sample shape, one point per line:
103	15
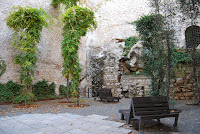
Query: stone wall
106	41
183	85
49	64
135	85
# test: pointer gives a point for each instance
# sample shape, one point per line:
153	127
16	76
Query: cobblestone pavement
64	123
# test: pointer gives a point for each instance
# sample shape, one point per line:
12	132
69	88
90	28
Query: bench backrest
143	106
105	92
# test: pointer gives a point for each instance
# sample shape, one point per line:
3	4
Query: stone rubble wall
183	85
136	85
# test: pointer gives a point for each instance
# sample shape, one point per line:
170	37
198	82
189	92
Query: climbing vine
2	67
77	21
27	24
151	32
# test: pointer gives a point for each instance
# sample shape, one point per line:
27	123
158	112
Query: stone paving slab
64	123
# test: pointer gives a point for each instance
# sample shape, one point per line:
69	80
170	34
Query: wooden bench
106	94
144	108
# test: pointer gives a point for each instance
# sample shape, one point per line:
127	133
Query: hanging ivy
77	21
27	24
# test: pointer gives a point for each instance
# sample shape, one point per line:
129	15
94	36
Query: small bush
42	90
4	93
9	91
24	98
63	90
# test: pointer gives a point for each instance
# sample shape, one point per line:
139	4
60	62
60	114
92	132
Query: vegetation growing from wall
67	3
27	24
129	43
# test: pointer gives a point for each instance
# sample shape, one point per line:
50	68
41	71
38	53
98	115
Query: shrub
9	91
63	90
42	90
4	94
25	98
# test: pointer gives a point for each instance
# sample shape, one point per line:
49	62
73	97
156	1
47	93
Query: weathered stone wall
183	85
106	41
135	85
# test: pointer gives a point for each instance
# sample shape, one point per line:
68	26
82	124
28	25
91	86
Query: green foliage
42	90
180	57
2	67
77	21
4	93
67	3
27	24
151	32
25	98
129	42
63	90
9	91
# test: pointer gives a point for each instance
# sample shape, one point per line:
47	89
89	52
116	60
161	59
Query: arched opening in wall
192	36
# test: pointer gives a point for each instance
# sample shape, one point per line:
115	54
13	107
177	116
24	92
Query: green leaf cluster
25	98
42	89
27	24
77	21
63	90
2	67
9	91
129	42
67	3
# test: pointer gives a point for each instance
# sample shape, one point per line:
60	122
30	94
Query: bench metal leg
122	116
141	126
175	124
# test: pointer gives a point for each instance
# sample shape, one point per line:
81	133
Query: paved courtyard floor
64	123
52	117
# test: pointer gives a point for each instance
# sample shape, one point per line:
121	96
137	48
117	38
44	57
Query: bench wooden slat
141	113
150	108
106	94
147	100
151	105
142	108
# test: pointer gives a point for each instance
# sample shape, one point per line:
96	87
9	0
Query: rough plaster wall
112	18
49	64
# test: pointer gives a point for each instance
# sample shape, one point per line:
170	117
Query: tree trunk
67	89
168	66
197	92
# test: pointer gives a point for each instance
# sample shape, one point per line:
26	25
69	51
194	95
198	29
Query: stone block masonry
135	85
